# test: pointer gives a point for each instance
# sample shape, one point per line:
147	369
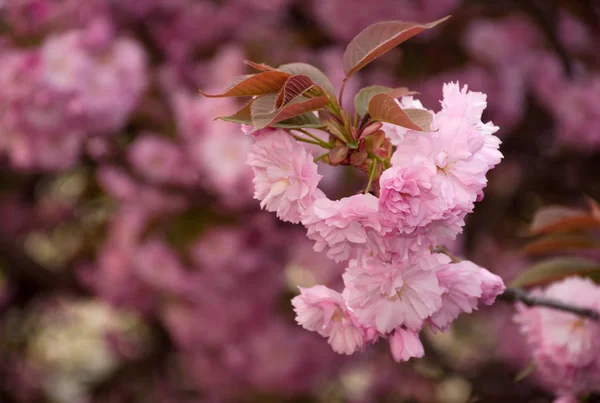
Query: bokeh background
135	265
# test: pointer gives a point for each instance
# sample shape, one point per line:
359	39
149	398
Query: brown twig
520	295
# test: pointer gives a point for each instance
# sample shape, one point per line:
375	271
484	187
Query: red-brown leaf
562	219
384	108
555	243
263	114
254	84
316	75
259	66
377	39
294	86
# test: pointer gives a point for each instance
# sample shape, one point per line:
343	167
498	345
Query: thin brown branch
520	295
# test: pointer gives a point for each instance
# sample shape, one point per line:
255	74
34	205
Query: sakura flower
345	227
565	346
386	296
322	310
464	284
285	175
409	196
405	344
462	148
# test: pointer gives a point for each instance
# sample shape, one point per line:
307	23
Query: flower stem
318	143
323	142
372	171
320	157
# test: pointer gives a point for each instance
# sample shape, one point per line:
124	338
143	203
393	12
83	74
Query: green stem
310	141
324	143
320	157
372	171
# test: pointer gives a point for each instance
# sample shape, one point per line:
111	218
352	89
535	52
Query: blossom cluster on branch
425	172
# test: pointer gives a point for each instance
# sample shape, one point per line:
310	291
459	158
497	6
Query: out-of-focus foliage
135	265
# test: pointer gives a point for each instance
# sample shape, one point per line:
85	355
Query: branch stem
520	295
372	171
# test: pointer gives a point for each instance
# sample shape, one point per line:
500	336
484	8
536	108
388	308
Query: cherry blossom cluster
395	285
75	85
565	347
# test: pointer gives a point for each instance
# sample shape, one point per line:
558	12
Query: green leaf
304	121
364	96
555	269
264	112
384	108
377	39
316	75
354	144
254	84
242	116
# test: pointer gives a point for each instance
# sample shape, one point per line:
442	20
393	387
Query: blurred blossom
160	160
70	346
565	347
217	149
33	17
345	18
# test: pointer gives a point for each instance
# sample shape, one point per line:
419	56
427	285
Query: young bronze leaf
242	116
384	108
294	86
364	96
254	84
316	75
377	39
562	219
554	243
551	270
259	66
263	114
305	121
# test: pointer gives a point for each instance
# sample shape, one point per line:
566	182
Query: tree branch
520	295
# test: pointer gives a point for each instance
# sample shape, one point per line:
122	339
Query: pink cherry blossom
409	196
322	310
346	227
386	296
405	344
464	285
565	346
285	175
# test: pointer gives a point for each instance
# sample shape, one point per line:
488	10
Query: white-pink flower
462	147
285	175
566	347
388	295
464	285
409	196
405	344
323	310
346	228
